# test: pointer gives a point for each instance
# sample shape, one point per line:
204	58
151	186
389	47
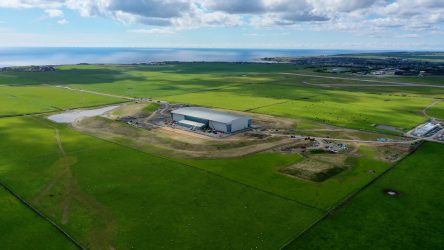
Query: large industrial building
200	118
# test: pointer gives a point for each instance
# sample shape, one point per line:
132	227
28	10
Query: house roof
209	114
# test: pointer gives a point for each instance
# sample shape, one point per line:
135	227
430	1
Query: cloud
409	36
54	13
150	8
45	4
153	31
345	15
237	7
63	21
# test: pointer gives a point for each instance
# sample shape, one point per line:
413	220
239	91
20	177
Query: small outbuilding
197	117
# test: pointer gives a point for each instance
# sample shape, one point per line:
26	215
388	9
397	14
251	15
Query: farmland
112	185
437	111
250	87
353	110
375	220
22	227
37	99
91	192
323	195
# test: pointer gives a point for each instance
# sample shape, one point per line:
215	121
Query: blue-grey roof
209	114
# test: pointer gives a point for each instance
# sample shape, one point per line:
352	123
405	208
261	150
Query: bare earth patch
312	170
393	152
128	109
335	159
174	142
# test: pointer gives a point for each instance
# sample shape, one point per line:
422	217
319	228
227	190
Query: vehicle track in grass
100	234
433	104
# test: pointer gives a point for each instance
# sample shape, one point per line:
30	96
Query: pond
390	128
71	116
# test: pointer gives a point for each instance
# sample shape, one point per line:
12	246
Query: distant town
402	63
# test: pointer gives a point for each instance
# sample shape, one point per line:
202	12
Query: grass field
36	99
20	227
347	109
255	87
437	111
374	220
108	195
261	171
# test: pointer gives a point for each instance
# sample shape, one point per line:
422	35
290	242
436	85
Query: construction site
154	126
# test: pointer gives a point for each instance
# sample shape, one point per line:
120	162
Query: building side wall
196	119
190	125
240	124
235	125
177	117
218	126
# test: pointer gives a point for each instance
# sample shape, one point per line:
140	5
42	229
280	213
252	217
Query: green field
437	111
261	171
374	220
36	99
20	227
252	87
341	108
108	195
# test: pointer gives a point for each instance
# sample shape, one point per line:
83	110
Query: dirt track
361	141
238	152
424	111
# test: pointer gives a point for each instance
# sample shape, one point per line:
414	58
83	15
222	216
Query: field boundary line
401	84
209	172
277	103
95	92
347	199
203	90
264	106
42	215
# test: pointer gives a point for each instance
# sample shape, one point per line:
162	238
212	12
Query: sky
289	24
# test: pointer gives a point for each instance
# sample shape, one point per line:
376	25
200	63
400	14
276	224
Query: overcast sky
323	24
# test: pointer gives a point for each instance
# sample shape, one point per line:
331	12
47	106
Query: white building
424	130
196	117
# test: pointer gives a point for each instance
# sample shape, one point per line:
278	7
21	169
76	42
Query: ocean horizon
25	56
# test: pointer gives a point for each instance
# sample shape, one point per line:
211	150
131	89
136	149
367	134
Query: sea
56	56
